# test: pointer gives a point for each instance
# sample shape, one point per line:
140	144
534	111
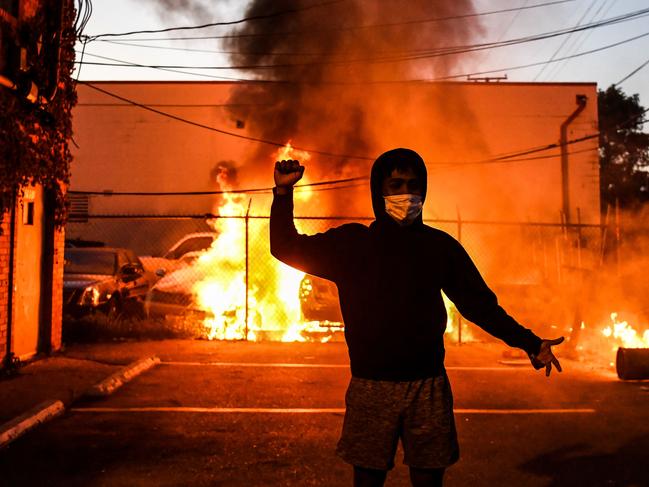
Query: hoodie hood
383	167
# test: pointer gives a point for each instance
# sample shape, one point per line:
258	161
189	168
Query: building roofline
220	82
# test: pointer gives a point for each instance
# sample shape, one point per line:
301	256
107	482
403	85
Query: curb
20	425
113	382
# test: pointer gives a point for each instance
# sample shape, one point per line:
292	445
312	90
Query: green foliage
624	149
34	140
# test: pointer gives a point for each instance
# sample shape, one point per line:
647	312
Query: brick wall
4	282
57	289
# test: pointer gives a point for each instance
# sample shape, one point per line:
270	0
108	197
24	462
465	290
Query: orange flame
234	306
625	335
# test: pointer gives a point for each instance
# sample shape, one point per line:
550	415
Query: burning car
174	295
110	280
319	300
182	253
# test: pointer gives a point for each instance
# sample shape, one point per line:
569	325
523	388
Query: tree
623	149
34	136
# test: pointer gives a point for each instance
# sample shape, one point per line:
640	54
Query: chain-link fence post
247	268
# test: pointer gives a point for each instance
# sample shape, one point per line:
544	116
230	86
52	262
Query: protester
390	276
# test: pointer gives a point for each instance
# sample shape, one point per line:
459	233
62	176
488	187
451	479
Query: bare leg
367	477
424	477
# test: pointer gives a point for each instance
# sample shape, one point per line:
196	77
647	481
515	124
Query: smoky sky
320	57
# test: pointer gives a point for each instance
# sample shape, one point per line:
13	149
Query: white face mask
403	208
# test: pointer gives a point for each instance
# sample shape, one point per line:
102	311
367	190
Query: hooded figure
400	159
390	277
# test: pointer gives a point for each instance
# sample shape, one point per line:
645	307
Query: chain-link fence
219	270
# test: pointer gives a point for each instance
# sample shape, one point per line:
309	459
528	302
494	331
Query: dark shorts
419	412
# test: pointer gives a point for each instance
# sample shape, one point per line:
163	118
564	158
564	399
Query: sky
605	67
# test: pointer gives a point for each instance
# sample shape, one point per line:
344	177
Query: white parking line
256	364
309	410
321	366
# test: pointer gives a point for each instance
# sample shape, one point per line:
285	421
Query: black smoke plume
320	59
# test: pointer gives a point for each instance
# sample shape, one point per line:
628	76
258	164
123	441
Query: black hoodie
390	279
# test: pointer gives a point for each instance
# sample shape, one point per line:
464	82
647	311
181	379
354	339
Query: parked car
110	280
319	300
173	294
181	254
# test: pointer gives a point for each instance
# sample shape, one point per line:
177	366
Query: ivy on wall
34	138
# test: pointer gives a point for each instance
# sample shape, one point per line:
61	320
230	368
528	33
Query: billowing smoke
322	60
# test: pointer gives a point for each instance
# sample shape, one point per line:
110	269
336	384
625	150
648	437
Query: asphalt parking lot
237	414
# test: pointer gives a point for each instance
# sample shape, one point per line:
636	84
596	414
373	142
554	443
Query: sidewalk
53	378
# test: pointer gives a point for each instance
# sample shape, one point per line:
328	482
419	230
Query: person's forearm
282	228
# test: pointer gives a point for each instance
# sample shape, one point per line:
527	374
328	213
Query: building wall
125	148
5	252
57	290
4	281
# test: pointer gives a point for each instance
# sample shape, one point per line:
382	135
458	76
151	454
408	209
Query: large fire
268	306
237	306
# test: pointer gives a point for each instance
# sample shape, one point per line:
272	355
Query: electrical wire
512	21
334	184
84	12
127	64
419	80
331	29
565	39
632	73
419	54
218	192
215	24
460	49
507	157
580	39
500	158
220	131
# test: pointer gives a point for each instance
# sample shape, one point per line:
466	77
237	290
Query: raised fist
287	173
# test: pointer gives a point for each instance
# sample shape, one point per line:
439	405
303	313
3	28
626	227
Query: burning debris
625	335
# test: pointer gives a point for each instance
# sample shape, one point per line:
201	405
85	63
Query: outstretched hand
545	357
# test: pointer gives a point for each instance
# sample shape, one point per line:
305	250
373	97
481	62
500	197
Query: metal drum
632	363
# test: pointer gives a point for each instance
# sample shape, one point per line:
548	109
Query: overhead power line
122	63
566	39
332	29
215	24
417	54
513	20
345	181
580	39
632	73
217	130
497	159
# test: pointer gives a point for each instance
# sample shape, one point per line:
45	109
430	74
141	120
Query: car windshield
81	261
193	244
